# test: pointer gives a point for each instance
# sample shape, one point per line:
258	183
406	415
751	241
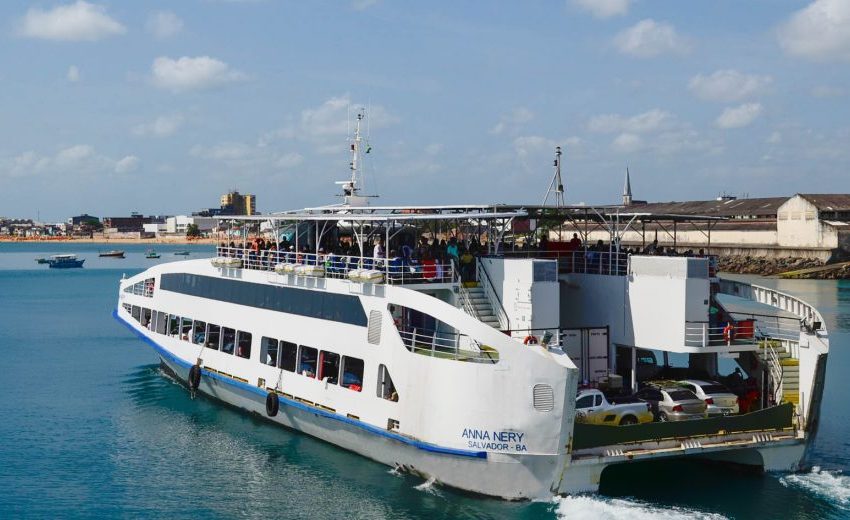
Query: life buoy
194	379
272	404
530	340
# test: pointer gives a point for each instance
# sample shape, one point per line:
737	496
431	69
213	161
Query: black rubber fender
194	379
272	404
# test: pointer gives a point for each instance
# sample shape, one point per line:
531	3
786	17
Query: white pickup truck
592	407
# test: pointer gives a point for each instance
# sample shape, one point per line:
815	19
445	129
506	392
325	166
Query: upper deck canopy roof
466	211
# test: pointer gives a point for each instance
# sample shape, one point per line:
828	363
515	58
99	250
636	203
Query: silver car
719	400
672	403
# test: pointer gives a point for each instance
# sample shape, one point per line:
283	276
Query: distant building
235	203
178	225
132	224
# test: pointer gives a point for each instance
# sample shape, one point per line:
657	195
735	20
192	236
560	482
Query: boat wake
831	485
429	486
581	507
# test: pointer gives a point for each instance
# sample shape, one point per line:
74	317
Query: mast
352	187
556	184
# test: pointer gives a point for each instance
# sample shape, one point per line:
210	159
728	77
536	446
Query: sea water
89	427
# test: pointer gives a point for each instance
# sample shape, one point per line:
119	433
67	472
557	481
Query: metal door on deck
588	349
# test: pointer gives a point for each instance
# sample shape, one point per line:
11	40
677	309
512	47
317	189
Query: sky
109	107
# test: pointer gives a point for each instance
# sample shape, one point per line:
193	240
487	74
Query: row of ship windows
143	288
301	359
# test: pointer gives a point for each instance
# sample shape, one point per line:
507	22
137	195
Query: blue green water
90	428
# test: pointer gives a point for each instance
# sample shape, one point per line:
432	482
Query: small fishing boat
115	253
64	261
181	253
151	254
42	260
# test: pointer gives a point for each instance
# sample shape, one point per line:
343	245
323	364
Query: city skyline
161	107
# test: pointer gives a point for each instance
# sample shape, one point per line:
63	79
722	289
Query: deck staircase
474	301
785	368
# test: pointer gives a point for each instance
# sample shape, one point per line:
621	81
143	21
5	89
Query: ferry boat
363	329
112	254
64	262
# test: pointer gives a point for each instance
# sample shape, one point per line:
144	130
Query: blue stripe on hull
433	448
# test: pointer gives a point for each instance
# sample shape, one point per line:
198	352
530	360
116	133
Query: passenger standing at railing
575	242
466	266
452	250
440	259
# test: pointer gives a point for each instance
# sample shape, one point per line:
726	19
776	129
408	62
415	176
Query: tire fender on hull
194	379
272	404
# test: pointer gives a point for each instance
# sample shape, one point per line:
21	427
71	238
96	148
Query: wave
579	507
831	485
429	486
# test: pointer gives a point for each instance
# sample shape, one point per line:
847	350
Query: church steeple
627	190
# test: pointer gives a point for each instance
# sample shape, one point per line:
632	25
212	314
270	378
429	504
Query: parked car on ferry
719	400
592	407
672	403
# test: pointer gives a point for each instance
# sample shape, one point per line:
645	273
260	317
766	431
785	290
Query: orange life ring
727	332
530	340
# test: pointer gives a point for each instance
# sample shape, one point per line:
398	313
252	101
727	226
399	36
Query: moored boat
42	260
150	253
115	253
65	261
182	252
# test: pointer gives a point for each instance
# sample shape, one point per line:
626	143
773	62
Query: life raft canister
530	340
272	404
194	379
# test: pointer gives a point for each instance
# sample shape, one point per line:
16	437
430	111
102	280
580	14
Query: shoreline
114	241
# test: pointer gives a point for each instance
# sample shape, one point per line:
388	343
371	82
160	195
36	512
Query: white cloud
827	91
433	149
649	38
774	138
326	126
513	120
820	31
627	143
162	126
164	24
127	164
740	116
728	85
361	5
649	121
73	74
81	159
289	160
192	73
604	8
531	144
80	21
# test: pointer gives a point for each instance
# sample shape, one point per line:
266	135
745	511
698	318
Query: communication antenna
556	186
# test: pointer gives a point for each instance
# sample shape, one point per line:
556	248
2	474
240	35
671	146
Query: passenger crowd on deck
434	259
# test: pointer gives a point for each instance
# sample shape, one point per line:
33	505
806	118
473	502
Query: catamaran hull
503	476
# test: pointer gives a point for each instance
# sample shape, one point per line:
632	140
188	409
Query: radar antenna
556	186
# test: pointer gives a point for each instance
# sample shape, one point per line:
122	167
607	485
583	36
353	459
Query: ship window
228	340
352	373
213	335
329	367
268	351
127	306
288	355
386	388
185	329
243	345
173	325
161	322
199	332
146	318
135	312
307	361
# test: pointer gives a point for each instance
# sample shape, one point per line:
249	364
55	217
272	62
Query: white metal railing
810	317
775	368
492	295
581	261
395	270
446	345
703	334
